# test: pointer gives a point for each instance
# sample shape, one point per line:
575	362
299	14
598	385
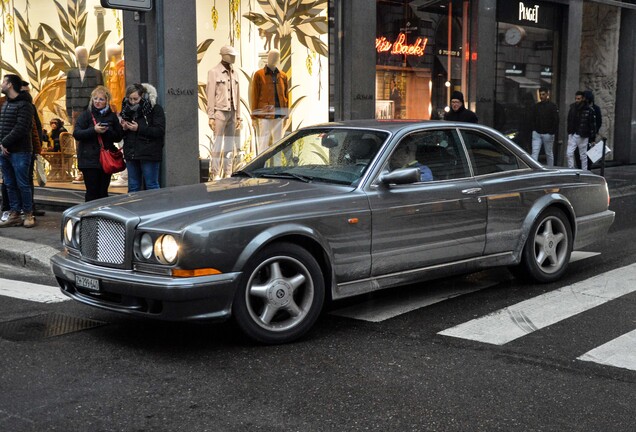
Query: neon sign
400	47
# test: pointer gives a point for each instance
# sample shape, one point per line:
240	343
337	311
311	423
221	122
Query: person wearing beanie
458	112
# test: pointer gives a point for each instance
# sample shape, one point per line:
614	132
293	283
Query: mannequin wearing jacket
224	113
269	101
115	75
80	82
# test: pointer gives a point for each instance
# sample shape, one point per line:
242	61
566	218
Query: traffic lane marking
31	292
513	322
619	352
387	308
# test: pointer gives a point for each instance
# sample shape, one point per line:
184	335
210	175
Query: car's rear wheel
281	294
547	251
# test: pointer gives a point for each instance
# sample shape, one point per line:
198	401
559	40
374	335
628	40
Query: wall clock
514	35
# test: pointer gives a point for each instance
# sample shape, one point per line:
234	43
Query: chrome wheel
281	294
551	245
547	251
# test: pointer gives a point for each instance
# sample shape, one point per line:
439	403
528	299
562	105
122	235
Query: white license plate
87	282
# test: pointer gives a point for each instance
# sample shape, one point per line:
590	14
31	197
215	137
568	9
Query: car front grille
103	240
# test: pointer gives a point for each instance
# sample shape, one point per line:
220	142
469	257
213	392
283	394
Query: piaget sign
400	46
528	13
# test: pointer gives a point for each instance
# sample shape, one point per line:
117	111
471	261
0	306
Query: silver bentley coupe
331	211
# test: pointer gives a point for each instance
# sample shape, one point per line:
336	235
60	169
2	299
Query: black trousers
96	182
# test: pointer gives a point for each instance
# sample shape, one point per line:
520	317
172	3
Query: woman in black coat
97	123
144	124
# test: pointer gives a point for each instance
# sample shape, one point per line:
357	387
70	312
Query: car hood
181	206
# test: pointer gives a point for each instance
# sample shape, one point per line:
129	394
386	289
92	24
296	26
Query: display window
527	61
271	59
421	57
63	49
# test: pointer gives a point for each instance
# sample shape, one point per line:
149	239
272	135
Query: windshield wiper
288	175
241	173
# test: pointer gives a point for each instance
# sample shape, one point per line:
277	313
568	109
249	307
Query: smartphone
104	124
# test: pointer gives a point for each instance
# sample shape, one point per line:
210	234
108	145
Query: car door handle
471	191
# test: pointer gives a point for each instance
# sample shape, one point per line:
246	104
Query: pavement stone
32	248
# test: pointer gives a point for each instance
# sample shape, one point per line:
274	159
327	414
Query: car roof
393	125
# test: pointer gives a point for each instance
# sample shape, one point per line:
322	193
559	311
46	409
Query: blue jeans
15	174
146	170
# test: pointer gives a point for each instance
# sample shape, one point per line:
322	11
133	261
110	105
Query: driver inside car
404	157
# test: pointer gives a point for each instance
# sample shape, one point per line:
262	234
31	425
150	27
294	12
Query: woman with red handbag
96	127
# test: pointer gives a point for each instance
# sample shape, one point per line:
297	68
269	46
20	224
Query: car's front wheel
547	251
281	294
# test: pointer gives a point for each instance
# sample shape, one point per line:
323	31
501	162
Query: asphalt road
108	372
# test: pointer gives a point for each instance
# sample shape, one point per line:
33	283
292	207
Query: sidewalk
32	248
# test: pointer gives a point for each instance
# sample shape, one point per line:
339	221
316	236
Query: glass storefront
527	60
299	31
39	42
421	57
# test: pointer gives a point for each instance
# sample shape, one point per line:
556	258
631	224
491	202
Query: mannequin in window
396	97
224	103
269	101
115	76
80	82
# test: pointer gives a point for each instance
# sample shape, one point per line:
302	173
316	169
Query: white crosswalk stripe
30	291
444	289
518	320
620	352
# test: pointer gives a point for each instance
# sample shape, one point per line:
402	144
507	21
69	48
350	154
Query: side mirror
401	176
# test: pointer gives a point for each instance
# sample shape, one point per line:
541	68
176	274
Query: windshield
329	155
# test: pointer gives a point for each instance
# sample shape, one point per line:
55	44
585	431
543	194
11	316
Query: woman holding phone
144	124
97	126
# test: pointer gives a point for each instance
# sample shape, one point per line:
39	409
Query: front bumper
139	294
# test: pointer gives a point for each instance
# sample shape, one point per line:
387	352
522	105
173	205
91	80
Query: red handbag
112	161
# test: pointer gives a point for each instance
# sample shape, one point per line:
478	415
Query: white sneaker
5	216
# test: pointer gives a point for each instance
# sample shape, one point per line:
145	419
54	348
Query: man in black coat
458	112
581	129
545	126
16	151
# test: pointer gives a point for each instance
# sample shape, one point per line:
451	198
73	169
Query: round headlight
145	246
166	249
68	231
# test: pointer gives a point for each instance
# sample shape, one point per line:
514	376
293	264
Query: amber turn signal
194	272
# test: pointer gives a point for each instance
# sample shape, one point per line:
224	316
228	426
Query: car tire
547	251
281	294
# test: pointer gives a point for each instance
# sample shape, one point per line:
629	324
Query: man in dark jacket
581	129
458	112
545	125
16	149
589	97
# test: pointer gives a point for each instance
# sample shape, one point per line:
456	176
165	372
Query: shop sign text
382	45
529	13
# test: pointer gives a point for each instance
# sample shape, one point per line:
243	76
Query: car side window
487	155
437	153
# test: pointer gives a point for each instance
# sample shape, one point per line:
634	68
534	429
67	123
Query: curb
27	254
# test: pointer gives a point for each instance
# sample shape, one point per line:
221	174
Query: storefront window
41	42
297	31
527	55
420	57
